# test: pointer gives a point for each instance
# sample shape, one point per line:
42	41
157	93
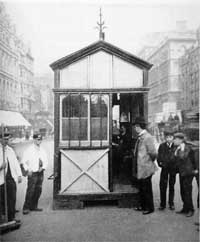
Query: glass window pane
74	129
104	110
66	106
83	129
65	129
104	128
99	117
95	129
75	117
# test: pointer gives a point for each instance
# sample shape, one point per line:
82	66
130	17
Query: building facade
189	77
43	106
164	98
16	69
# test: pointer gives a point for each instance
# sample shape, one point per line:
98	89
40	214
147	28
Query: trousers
11	189
167	176
186	192
34	190
146	194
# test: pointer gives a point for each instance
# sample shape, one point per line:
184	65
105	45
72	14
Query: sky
54	29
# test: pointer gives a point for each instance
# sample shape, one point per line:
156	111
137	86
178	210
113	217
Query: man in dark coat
187	169
167	163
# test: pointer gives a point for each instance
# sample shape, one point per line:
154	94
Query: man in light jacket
34	163
145	154
10	174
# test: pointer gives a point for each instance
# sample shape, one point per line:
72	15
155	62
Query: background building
43	106
189	65
16	68
164	100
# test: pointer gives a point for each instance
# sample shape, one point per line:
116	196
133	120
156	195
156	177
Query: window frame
89	142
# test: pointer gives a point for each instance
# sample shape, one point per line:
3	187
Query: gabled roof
95	47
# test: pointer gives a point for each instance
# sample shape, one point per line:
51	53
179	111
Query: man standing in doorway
145	154
34	162
10	168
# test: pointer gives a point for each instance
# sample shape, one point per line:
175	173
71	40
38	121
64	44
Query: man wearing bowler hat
187	169
166	160
10	174
34	162
144	167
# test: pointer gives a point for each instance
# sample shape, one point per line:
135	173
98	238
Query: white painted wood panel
126	75
75	75
84	171
101	70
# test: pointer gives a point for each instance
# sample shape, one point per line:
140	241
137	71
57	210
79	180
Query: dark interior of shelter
126	106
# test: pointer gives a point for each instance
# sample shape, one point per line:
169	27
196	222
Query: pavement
101	223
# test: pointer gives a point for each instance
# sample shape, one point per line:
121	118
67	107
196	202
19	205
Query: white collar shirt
32	156
10	157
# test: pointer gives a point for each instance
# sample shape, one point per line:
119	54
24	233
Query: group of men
173	156
33	164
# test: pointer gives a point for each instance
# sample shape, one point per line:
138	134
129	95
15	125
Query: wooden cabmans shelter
89	86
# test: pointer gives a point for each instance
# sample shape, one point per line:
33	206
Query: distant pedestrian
187	169
10	174
166	160
144	166
34	162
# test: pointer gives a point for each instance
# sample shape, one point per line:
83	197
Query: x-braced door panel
84	171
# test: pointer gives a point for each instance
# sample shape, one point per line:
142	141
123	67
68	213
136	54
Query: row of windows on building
14	86
12	65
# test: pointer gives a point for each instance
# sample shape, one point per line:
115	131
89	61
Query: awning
12	119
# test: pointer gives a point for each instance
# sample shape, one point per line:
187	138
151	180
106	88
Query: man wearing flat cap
144	166
187	169
10	174
166	160
34	162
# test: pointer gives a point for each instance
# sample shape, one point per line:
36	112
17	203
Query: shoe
26	211
147	212
171	207
190	214
182	211
37	209
161	208
196	223
18	221
138	209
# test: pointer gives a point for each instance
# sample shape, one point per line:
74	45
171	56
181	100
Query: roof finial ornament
101	26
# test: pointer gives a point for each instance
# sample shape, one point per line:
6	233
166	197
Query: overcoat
166	157
186	161
146	155
13	162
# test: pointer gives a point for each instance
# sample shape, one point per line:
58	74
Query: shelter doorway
125	107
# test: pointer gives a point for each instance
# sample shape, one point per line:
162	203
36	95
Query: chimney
181	26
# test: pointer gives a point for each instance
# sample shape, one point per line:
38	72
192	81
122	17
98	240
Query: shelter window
99	117
75	117
84	118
